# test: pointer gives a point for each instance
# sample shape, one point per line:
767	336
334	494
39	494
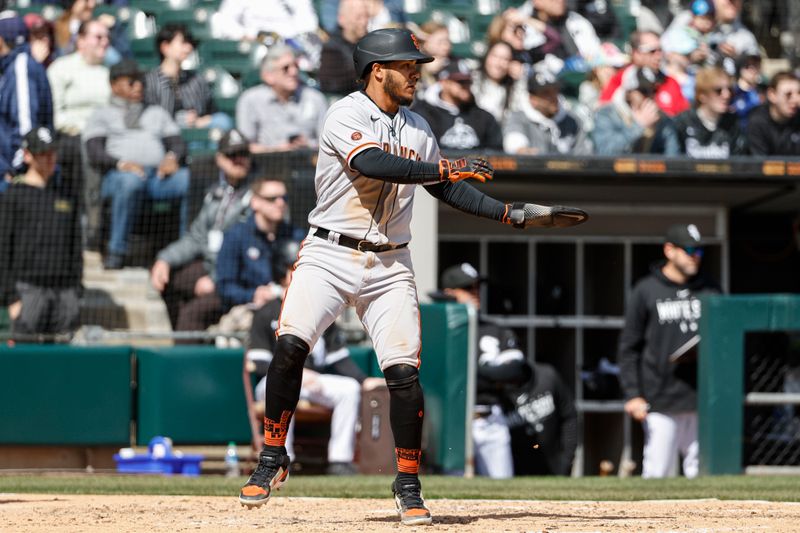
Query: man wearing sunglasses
282	113
659	382
244	271
184	271
646	52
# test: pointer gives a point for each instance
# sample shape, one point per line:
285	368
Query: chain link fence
772	412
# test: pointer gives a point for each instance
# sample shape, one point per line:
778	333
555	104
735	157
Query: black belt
360	245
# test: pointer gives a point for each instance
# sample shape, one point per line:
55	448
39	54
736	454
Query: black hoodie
660	317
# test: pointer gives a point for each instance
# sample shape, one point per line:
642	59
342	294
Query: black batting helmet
284	255
387	44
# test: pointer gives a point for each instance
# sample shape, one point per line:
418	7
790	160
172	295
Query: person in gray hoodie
184	271
544	126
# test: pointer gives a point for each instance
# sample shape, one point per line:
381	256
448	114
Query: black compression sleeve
468	199
380	165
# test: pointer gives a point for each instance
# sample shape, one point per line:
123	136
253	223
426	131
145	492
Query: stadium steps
122	300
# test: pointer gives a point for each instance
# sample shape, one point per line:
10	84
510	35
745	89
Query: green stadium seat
152	7
196	20
627	22
48	12
233	56
5	321
224	87
138	25
201	141
144	52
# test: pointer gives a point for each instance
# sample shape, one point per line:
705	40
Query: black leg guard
284	378
406	411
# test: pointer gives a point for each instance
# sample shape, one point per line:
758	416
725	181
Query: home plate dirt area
88	513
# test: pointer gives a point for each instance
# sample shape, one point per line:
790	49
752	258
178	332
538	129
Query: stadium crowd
545	77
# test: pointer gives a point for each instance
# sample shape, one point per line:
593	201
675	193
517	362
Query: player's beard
393	90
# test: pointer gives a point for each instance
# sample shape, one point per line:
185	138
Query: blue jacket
14	119
245	260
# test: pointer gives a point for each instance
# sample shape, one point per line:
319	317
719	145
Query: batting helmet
284	255
387	44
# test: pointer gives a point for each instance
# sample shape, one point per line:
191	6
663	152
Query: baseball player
373	154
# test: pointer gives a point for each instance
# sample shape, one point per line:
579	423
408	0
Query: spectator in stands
632	123
566	34
25	99
282	114
710	130
337	74
244	273
604	66
330	377
748	93
774	127
659	384
691	37
728	37
79	82
498	86
184	271
679	67
41	39
139	151
76	12
436	43
249	19
386	13
184	94
511	27
40	246
543	126
456	121
600	15
646	52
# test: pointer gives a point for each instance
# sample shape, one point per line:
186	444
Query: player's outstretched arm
377	164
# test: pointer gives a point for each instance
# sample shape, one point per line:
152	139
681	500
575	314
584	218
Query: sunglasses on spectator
286	68
239	155
693	250
719	90
271	199
649	49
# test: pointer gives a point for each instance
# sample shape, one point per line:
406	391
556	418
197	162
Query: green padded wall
65	395
192	394
720	378
443	374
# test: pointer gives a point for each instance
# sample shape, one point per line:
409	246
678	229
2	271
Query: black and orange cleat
410	504
271	473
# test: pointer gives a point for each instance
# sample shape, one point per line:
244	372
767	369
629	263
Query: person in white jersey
373	153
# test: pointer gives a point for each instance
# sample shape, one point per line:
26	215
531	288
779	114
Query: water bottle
232	461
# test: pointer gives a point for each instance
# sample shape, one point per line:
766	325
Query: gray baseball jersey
354	205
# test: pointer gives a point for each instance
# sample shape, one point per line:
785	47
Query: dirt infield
65	513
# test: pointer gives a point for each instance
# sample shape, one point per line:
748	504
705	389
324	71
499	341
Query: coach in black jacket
662	315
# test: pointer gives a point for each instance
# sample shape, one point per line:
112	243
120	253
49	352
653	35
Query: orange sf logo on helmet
416	42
